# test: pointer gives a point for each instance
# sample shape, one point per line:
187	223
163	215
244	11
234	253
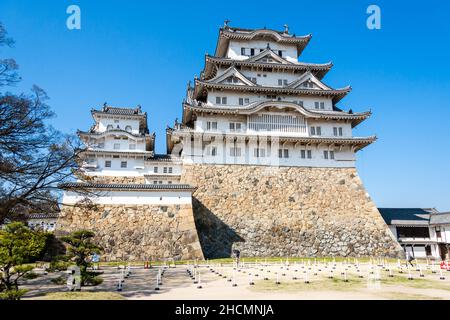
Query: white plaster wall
135	167
327	127
104	122
264	78
445	231
48	224
234	49
233	99
196	153
223	126
419	252
124	144
393	229
133	197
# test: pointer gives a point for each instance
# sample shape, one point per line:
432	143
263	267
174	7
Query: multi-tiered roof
109	112
308	84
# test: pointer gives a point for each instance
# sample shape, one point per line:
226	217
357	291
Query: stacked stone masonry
286	211
137	233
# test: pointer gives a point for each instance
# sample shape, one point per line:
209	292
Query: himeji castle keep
262	160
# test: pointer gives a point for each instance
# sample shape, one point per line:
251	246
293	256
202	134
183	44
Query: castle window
243	101
211	151
221	100
116	146
116	121
109	127
283	153
170	169
169	182
132	146
280	53
128	128
316	131
303	154
325	154
319	105
155	169
235	152
309	154
211	125
243	51
235	126
165	170
123	164
259	153
337	131
332	155
252	51
108	164
155	182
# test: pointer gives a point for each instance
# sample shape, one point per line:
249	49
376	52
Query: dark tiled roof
406	216
42	216
74	185
120	111
164	158
115	131
440	218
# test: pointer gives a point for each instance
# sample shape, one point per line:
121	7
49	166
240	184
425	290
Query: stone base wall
286	211
136	233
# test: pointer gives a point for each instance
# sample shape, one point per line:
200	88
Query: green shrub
30	276
92	279
61	280
58	266
12	294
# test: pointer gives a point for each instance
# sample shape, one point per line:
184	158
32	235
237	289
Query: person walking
409	259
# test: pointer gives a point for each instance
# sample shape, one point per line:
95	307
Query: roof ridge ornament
286	28
225	23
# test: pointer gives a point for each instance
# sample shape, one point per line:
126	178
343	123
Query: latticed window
259	153
235	152
278	123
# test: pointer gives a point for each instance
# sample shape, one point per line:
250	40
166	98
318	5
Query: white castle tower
256	103
121	150
138	209
263	161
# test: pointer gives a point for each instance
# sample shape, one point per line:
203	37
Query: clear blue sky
135	52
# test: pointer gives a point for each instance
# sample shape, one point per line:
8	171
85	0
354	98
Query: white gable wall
234	49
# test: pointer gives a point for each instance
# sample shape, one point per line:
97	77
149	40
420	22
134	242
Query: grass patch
417	283
81	296
334	284
407	296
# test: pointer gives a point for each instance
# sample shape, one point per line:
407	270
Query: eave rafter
201	88
213	63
